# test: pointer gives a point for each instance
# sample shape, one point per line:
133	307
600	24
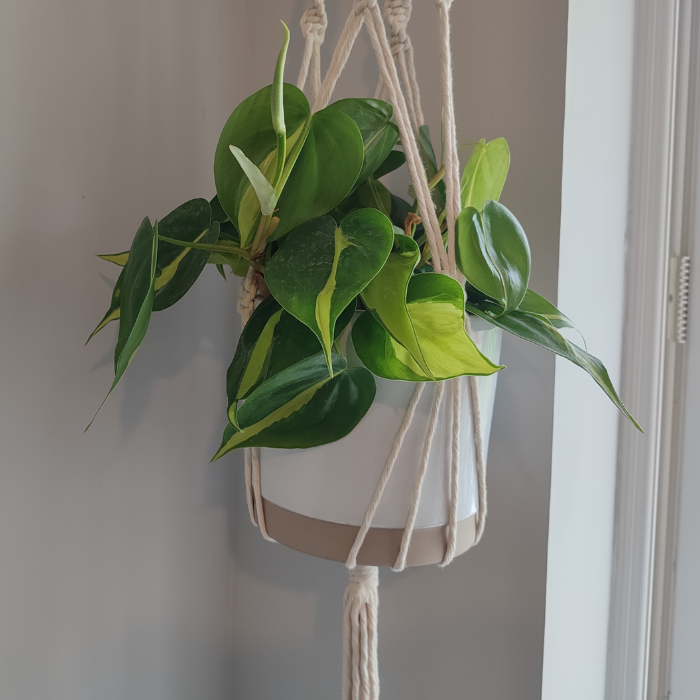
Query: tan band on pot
327	540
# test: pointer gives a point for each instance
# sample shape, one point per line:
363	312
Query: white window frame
648	466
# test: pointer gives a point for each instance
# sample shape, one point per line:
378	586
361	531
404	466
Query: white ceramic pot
316	499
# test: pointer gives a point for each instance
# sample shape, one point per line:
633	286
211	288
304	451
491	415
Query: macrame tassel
360	667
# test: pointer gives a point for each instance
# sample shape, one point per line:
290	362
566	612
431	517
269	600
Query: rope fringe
360	603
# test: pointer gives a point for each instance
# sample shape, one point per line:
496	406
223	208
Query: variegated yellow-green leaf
177	267
385	297
113	311
493	253
138	289
320	267
271	341
485	173
538	330
116	258
267	198
436	307
302	406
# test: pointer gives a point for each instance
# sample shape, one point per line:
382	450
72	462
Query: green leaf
485	173
539	331
277	101
535	304
320	178
271	341
179	268
302	407
372	193
493	253
379	133
431	167
392	162
320	268
113	311
436	308
137	292
250	128
116	258
217	211
385	297
263	189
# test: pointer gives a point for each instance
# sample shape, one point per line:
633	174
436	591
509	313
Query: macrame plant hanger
399	86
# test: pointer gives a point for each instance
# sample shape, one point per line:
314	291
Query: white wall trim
592	261
647	470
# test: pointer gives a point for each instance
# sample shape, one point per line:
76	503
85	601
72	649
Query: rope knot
314	21
362	5
364	576
446	4
246	300
397	13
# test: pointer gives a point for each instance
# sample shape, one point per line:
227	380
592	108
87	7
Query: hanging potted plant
351	314
365	315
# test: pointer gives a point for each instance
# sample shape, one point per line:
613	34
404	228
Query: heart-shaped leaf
320	267
537	330
385	297
485	173
379	133
493	253
320	179
250	129
302	406
271	341
436	308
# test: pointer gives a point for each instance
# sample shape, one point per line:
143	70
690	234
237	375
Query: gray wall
127	566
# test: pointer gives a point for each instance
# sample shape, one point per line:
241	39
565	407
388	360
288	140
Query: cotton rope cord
453	205
313	23
387	67
360	603
368	12
257	493
246	306
352	27
251	459
479	452
453	500
400	563
449	133
351	561
398	13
